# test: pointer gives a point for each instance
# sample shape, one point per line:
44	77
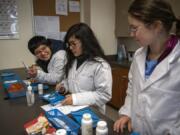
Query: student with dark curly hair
50	57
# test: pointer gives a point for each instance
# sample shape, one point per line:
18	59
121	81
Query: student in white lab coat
89	78
50	57
152	104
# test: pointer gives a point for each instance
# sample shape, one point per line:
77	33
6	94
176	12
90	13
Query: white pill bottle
40	89
102	128
30	96
86	124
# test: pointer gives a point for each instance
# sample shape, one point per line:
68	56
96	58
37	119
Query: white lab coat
90	84
56	69
154	104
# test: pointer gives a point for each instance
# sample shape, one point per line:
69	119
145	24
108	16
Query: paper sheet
74	6
64	109
61	7
45	24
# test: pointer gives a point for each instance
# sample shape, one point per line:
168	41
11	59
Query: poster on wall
9	28
61	7
47	26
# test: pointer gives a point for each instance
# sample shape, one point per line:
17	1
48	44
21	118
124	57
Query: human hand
60	88
121	122
67	101
32	71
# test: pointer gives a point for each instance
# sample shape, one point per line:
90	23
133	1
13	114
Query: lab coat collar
162	68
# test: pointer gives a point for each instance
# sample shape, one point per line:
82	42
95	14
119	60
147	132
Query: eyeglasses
72	43
38	51
133	29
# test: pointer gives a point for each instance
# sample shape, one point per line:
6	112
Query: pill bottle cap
102	124
40	86
61	132
86	116
29	88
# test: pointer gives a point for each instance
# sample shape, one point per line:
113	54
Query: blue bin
9	78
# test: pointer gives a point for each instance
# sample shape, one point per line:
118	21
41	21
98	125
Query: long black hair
90	45
149	11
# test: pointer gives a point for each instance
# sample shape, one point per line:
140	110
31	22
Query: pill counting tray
59	120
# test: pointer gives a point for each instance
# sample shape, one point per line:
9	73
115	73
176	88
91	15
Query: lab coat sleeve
56	69
103	88
126	108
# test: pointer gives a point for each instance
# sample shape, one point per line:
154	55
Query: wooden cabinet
120	82
121	23
175	6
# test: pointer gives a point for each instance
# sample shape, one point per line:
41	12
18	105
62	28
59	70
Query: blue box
61	121
10	78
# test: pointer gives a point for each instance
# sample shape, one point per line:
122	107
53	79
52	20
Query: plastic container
40	89
101	128
77	115
53	98
86	124
30	96
121	52
9	79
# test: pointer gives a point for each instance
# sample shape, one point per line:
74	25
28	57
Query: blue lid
135	133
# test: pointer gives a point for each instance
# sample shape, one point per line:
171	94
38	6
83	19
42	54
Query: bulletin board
47	8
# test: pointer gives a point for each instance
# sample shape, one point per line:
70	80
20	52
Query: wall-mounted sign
9	28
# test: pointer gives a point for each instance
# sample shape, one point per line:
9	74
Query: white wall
102	21
13	51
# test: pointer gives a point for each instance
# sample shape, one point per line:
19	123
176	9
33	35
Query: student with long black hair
88	74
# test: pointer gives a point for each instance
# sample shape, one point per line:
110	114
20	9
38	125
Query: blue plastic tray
77	115
9	78
15	94
53	98
59	121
